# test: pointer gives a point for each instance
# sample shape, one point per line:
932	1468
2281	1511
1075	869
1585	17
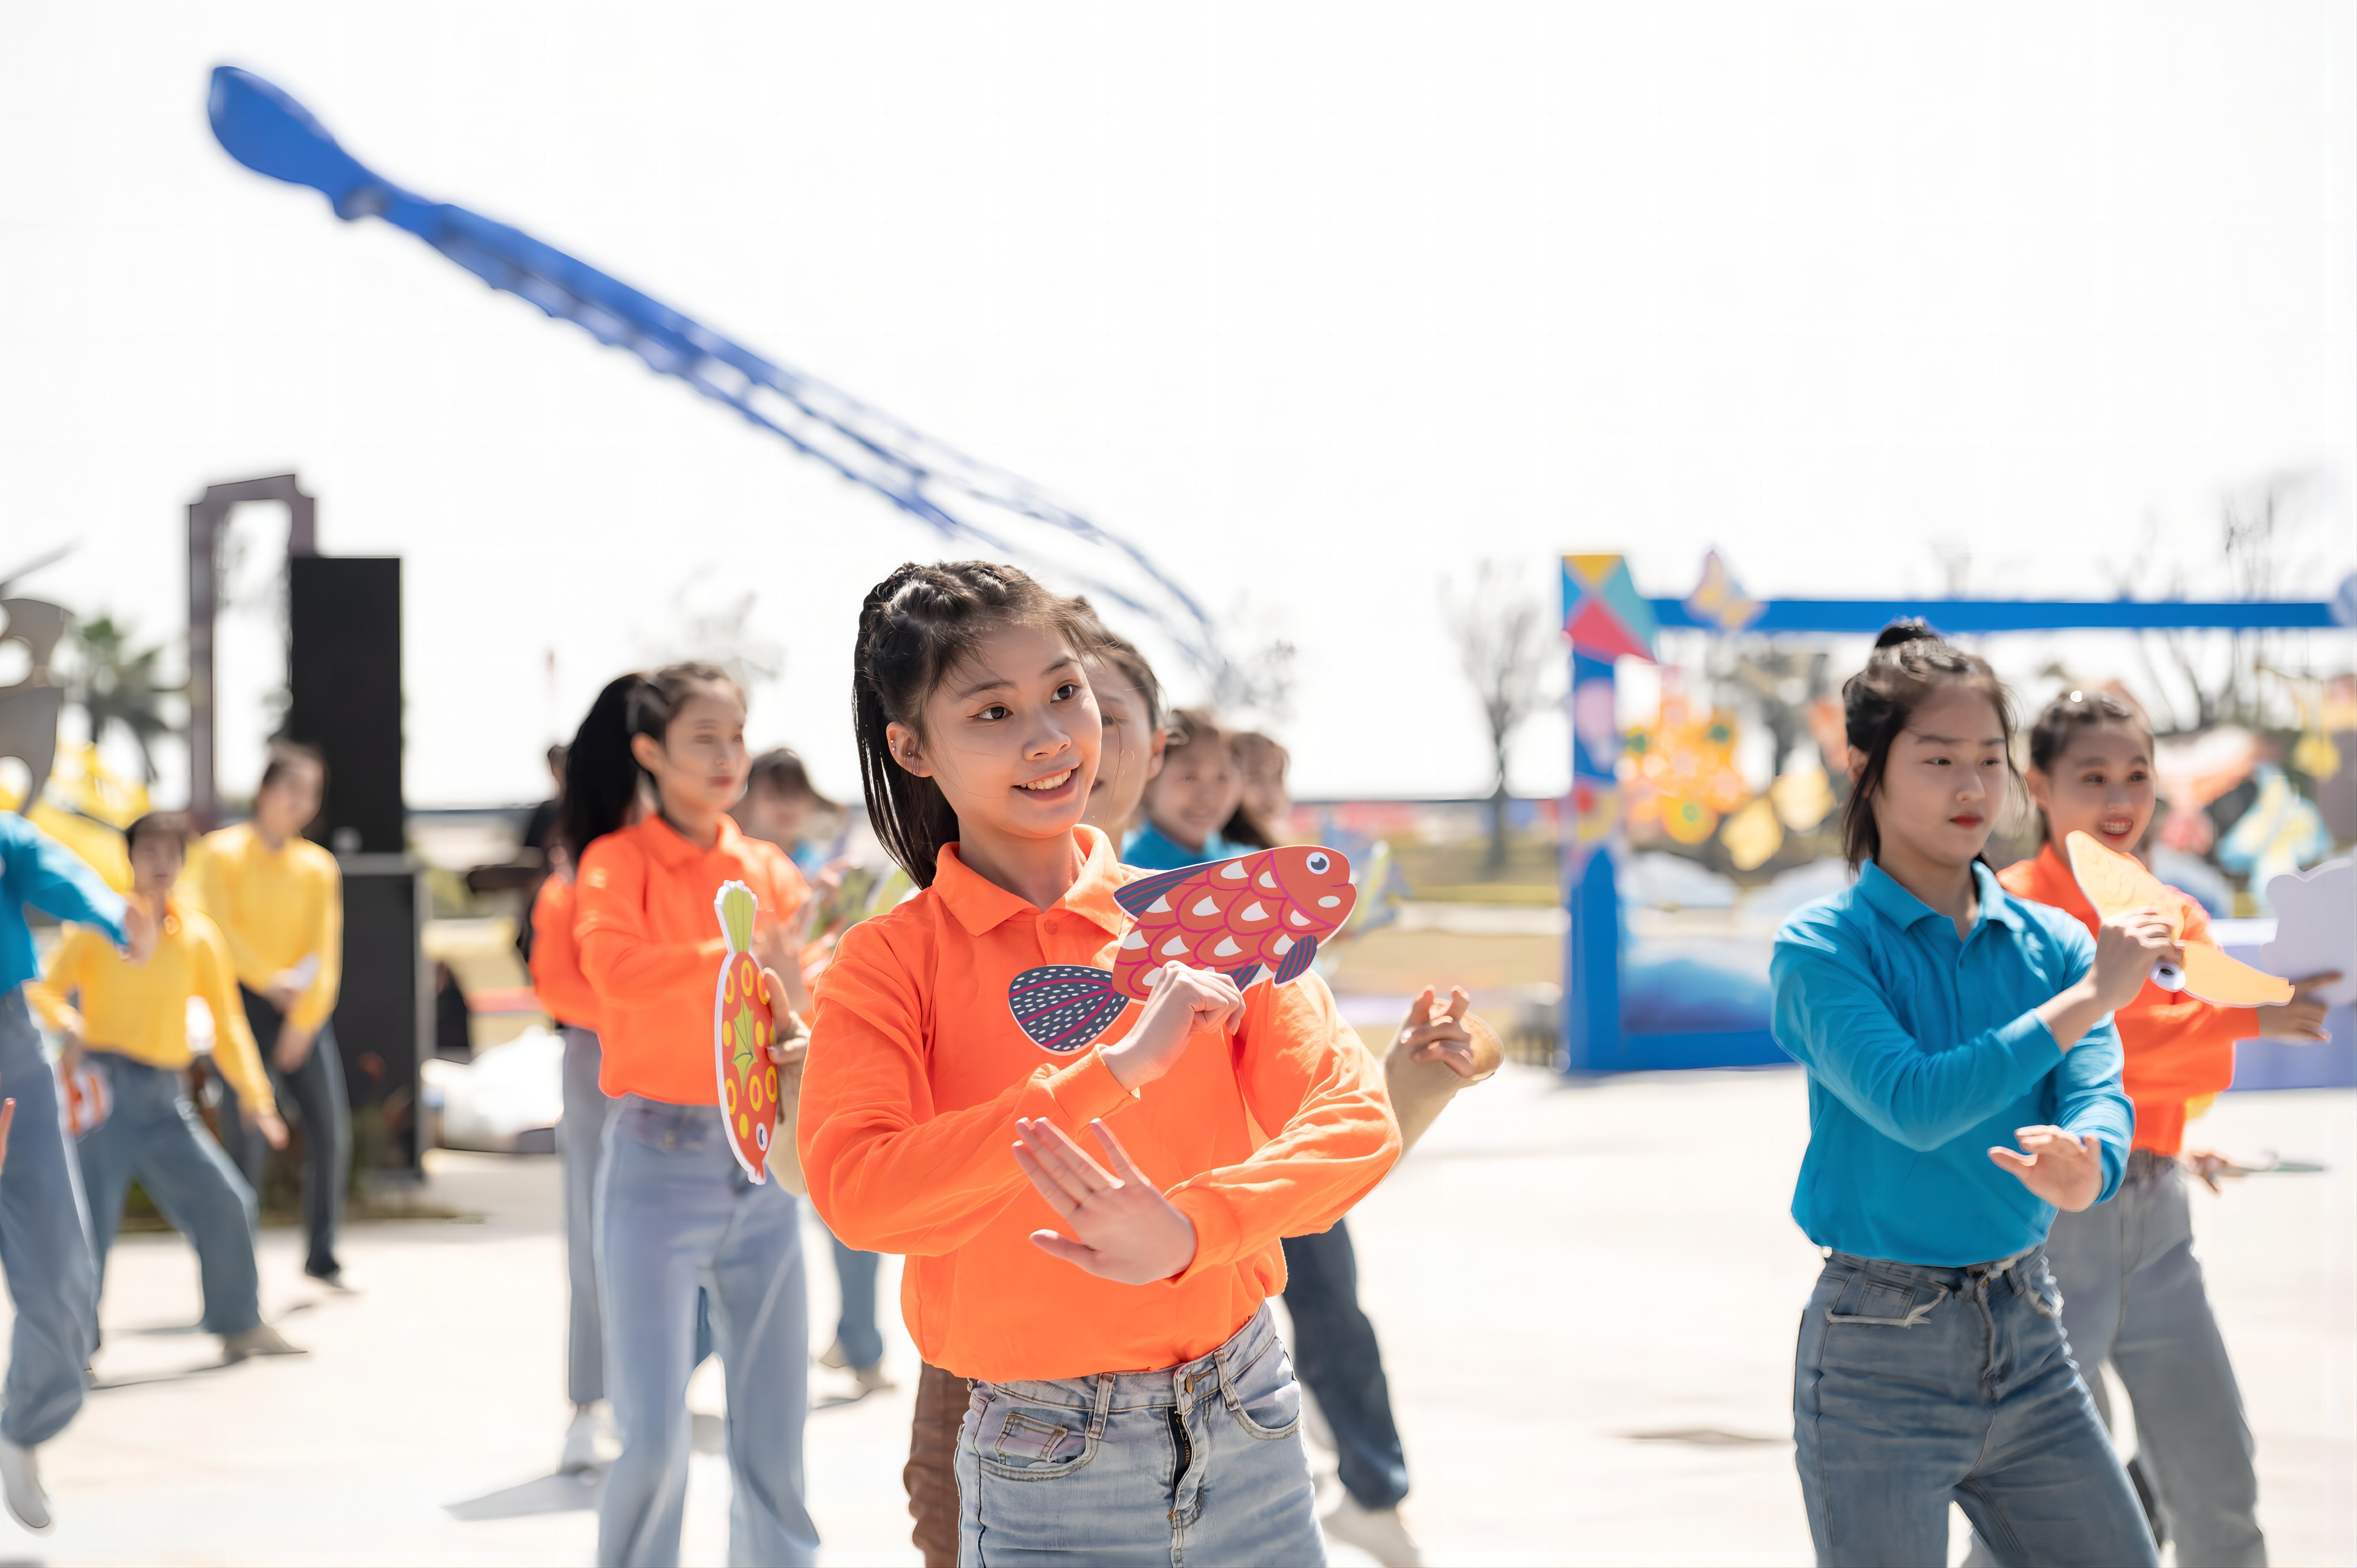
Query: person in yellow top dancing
132	1029
278	899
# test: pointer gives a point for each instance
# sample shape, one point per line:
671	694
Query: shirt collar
1903	909
981	905
669	847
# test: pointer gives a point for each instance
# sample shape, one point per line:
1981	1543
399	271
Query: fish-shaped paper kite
2113	882
742	1027
1267	910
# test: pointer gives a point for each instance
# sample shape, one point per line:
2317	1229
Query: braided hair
1909	663
915	627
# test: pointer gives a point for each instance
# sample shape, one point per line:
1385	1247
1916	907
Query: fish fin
1063	1006
1245	976
1296	961
1136	896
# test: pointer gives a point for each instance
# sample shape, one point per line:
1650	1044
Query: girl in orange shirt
675	1215
597	795
2132	1291
1131	1400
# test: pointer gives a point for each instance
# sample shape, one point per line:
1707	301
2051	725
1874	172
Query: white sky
1322	303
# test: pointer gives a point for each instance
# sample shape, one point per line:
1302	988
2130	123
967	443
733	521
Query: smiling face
1011	736
1195	794
2102	785
1943	781
700	764
1130	753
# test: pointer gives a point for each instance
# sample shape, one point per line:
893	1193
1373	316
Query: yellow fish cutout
2113	882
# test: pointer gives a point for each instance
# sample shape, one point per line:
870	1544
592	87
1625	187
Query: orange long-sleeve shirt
556	977
2178	1049
651	948
918	1072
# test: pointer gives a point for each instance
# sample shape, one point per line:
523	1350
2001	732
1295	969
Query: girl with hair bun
676	1217
1105	1291
1964	1087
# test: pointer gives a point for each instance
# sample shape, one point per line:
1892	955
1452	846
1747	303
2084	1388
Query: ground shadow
1704	1437
170	1375
569	1491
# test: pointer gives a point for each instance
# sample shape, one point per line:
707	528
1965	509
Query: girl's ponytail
1909	662
915	626
601	777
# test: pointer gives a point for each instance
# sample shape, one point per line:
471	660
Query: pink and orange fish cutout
743	1023
1267	909
2113	882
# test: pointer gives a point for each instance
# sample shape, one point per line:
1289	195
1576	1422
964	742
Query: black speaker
343	677
380	1012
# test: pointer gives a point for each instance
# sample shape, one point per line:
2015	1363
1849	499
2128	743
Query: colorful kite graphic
743	1023
1604	615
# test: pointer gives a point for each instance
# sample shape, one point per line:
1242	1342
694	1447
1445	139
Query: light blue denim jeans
1194	1466
44	1243
676	1215
2132	1295
1914	1387
855	1326
580	1142
153	1135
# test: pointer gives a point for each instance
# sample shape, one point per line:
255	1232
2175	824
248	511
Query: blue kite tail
1064	1006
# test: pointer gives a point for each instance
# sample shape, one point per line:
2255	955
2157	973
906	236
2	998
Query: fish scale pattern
1264	911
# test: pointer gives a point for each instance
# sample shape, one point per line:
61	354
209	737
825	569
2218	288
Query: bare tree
2255	524
721	633
1506	644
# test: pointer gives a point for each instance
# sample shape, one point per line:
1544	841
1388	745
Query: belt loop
1105	1404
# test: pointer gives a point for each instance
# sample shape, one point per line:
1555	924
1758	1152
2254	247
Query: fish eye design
1319	863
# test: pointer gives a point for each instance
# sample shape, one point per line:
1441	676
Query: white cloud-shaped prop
2316	927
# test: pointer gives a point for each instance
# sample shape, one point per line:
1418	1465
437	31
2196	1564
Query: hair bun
1914	628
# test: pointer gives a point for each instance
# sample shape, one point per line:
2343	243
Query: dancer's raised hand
1128	1231
2066	1171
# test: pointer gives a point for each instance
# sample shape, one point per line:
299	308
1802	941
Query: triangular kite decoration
1604	615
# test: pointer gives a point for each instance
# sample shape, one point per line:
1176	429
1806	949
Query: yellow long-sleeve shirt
141	1010
277	908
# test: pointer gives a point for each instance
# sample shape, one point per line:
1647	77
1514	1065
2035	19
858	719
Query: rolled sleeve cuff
1086	1090
107	913
1218	1238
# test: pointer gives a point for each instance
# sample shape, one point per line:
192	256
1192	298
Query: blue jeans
1193	1465
314	1092
580	1139
1334	1348
153	1134
2132	1295
43	1244
676	1215
855	1328
1915	1386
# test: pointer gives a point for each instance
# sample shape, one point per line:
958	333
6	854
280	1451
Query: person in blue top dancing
44	1226
1964	1086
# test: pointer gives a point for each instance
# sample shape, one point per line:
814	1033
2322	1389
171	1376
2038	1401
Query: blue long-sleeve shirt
1155	849
37	869
1922	1053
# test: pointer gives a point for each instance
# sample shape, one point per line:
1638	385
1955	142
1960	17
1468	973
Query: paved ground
1587	1297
